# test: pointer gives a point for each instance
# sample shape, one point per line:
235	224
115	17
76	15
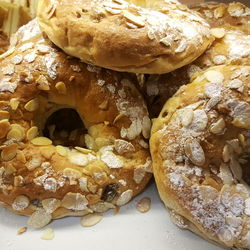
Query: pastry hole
65	127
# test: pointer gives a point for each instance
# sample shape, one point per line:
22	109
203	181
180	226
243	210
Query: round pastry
200	148
43	90
219	14
152	37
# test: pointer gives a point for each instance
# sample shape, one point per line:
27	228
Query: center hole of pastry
246	171
65	127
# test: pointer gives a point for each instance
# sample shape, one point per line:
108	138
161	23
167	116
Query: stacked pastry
74	129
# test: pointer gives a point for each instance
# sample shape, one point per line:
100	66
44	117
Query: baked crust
47	181
156	38
199	146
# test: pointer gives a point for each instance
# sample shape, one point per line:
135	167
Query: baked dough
152	37
200	149
46	181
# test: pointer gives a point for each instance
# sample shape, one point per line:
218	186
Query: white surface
128	230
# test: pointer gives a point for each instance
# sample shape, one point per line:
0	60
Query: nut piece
14	103
9	152
218	127
214	76
194	152
4	128
22	230
218	32
20	203
41	141
32	133
50	205
143	205
61	88
124	198
91	219
74	201
187	117
39	219
48	234
32	105
137	20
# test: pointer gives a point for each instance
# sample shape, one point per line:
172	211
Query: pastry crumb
48	234
22	230
143	205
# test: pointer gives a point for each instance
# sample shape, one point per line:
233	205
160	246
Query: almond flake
124	198
91	220
218	32
48	234
137	20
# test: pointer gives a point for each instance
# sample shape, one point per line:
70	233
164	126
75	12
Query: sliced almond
32	133
91	220
218	32
9	152
41	141
137	20
14	103
4	128
61	88
48	234
32	105
22	230
39	219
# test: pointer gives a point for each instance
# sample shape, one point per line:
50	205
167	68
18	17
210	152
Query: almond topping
32	133
32	105
61	88
137	20
41	141
91	219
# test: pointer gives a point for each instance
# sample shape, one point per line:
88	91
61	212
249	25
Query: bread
200	147
152	37
46	181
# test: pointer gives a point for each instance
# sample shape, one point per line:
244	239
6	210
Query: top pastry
152	37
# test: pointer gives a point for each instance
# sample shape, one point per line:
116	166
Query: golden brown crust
200	149
231	46
37	178
155	39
